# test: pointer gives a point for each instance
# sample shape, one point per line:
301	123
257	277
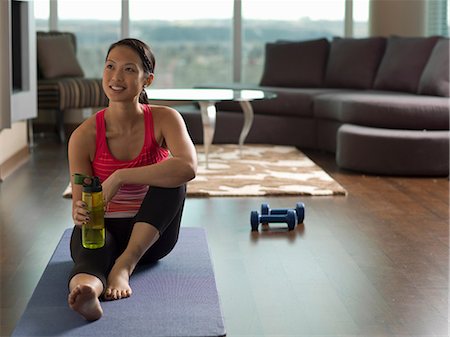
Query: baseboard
14	162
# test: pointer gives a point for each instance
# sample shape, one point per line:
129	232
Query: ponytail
143	98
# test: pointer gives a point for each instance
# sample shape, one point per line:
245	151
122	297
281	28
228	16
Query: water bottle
93	232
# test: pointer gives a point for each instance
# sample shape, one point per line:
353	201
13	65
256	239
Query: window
268	21
191	40
42	14
360	18
96	24
437	17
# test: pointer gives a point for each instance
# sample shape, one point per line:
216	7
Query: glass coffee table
207	99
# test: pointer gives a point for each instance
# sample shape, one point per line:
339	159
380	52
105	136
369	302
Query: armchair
61	81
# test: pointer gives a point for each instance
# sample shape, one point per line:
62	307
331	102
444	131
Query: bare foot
118	282
83	300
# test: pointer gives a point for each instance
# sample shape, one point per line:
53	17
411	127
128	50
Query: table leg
208	110
248	121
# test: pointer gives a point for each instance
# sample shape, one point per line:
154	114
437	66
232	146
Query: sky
203	9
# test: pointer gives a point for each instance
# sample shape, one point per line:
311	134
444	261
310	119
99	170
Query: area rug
259	170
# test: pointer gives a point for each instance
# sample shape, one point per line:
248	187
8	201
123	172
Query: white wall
24	103
397	17
13	140
15	108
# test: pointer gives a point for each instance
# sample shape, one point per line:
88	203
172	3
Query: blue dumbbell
299	210
289	217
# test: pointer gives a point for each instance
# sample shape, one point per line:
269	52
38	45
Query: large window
96	23
437	17
42	14
269	21
361	18
192	40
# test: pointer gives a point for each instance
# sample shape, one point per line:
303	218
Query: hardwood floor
372	263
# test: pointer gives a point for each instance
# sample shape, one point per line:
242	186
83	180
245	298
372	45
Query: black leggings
161	207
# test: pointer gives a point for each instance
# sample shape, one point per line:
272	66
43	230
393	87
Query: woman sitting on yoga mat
127	146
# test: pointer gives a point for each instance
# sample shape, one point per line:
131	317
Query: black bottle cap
90	184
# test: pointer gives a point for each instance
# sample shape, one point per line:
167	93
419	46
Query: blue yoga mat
176	296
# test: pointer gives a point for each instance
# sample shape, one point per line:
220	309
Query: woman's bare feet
118	286
83	299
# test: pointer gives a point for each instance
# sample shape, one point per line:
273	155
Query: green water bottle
93	232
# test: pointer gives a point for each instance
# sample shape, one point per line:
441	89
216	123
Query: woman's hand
110	186
80	213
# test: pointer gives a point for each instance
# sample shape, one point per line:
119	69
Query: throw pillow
435	76
403	63
56	57
353	63
295	64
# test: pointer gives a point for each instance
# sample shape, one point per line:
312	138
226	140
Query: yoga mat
176	296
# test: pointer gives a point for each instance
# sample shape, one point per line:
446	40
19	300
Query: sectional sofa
381	105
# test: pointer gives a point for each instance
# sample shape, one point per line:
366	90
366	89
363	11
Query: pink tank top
129	198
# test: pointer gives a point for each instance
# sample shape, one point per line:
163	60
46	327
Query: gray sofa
380	104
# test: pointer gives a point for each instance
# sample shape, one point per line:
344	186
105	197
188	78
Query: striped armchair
71	90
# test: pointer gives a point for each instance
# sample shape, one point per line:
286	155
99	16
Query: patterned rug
260	170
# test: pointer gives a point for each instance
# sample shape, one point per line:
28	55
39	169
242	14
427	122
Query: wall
12	140
16	107
13	148
24	102
397	17
5	67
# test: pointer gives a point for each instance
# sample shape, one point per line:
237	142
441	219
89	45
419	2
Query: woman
127	146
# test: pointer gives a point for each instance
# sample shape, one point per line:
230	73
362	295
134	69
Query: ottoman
392	151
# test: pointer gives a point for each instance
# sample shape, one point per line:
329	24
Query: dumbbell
299	210
289	217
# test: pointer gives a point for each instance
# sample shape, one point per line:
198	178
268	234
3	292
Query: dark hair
146	55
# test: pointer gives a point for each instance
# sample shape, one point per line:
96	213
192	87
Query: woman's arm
174	171
81	145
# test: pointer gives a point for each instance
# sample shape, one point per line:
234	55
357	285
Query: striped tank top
128	199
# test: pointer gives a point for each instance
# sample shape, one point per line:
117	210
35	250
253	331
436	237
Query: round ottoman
393	152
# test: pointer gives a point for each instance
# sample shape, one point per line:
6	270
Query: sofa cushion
403	63
56	57
435	76
384	110
353	63
295	64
